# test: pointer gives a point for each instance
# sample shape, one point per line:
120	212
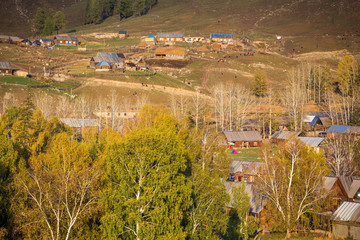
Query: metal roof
5	65
46	40
122	32
329	182
78	123
152	36
219	35
109	57
104	64
347	212
312	141
170	35
4	37
353	130
66	38
15	39
251	168
284	134
243	136
354	188
338	129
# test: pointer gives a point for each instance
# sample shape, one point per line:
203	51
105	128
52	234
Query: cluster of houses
105	61
343	202
44	42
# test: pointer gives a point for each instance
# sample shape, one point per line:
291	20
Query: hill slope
287	17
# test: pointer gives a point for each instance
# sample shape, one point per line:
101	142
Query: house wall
6	71
344	230
247	144
63	42
122	35
222	39
171	39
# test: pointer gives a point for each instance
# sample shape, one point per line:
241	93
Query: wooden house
6	68
115	59
222	38
336	131
122	34
104	65
243	138
15	40
346	221
314	142
171	37
45	42
66	40
194	39
25	42
170	52
131	67
336	193
77	125
245	171
281	136
151	40
4	39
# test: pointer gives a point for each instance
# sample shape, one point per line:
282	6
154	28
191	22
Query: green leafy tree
148	192
39	20
260	84
59	21
293	183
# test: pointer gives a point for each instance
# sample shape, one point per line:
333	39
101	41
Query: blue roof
338	129
122	32
152	36
217	35
46	40
104	64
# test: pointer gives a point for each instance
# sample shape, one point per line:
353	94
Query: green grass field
245	154
21	81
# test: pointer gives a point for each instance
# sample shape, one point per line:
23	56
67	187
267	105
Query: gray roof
312	141
251	168
78	123
329	182
354	187
346	183
353	130
347	212
284	134
170	35
6	37
109	57
5	65
66	38
15	39
256	201
243	136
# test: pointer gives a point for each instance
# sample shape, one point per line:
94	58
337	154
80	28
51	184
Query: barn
6	68
66	40
243	138
172	37
170	52
223	38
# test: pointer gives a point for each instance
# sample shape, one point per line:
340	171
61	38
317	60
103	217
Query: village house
338	131
244	171
115	59
317	121
170	52
151	40
36	43
104	66
281	136
109	114
346	221
25	42
131	67
45	42
194	39
78	124
222	38
122	34
6	68
4	39
15	40
243	138
171	37
314	142
66	40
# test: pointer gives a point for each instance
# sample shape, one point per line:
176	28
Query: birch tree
292	182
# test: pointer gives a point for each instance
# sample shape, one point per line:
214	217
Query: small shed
243	138
346	221
122	34
6	68
170	52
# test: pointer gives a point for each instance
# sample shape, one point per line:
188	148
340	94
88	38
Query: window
245	179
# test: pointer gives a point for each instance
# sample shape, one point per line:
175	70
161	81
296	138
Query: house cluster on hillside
342	208
44	42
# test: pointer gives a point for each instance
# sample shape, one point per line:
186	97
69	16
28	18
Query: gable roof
219	35
5	65
243	136
312	141
248	167
46	40
337	129
104	64
354	188
122	32
170	51
152	36
109	57
329	182
170	35
78	123
347	212
66	38
284	134
15	39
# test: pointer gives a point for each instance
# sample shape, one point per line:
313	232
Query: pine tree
39	20
59	21
260	84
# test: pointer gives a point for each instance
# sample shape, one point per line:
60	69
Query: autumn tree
55	191
293	183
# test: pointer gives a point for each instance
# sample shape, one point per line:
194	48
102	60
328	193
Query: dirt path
94	82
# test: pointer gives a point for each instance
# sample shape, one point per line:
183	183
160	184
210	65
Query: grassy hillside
201	17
